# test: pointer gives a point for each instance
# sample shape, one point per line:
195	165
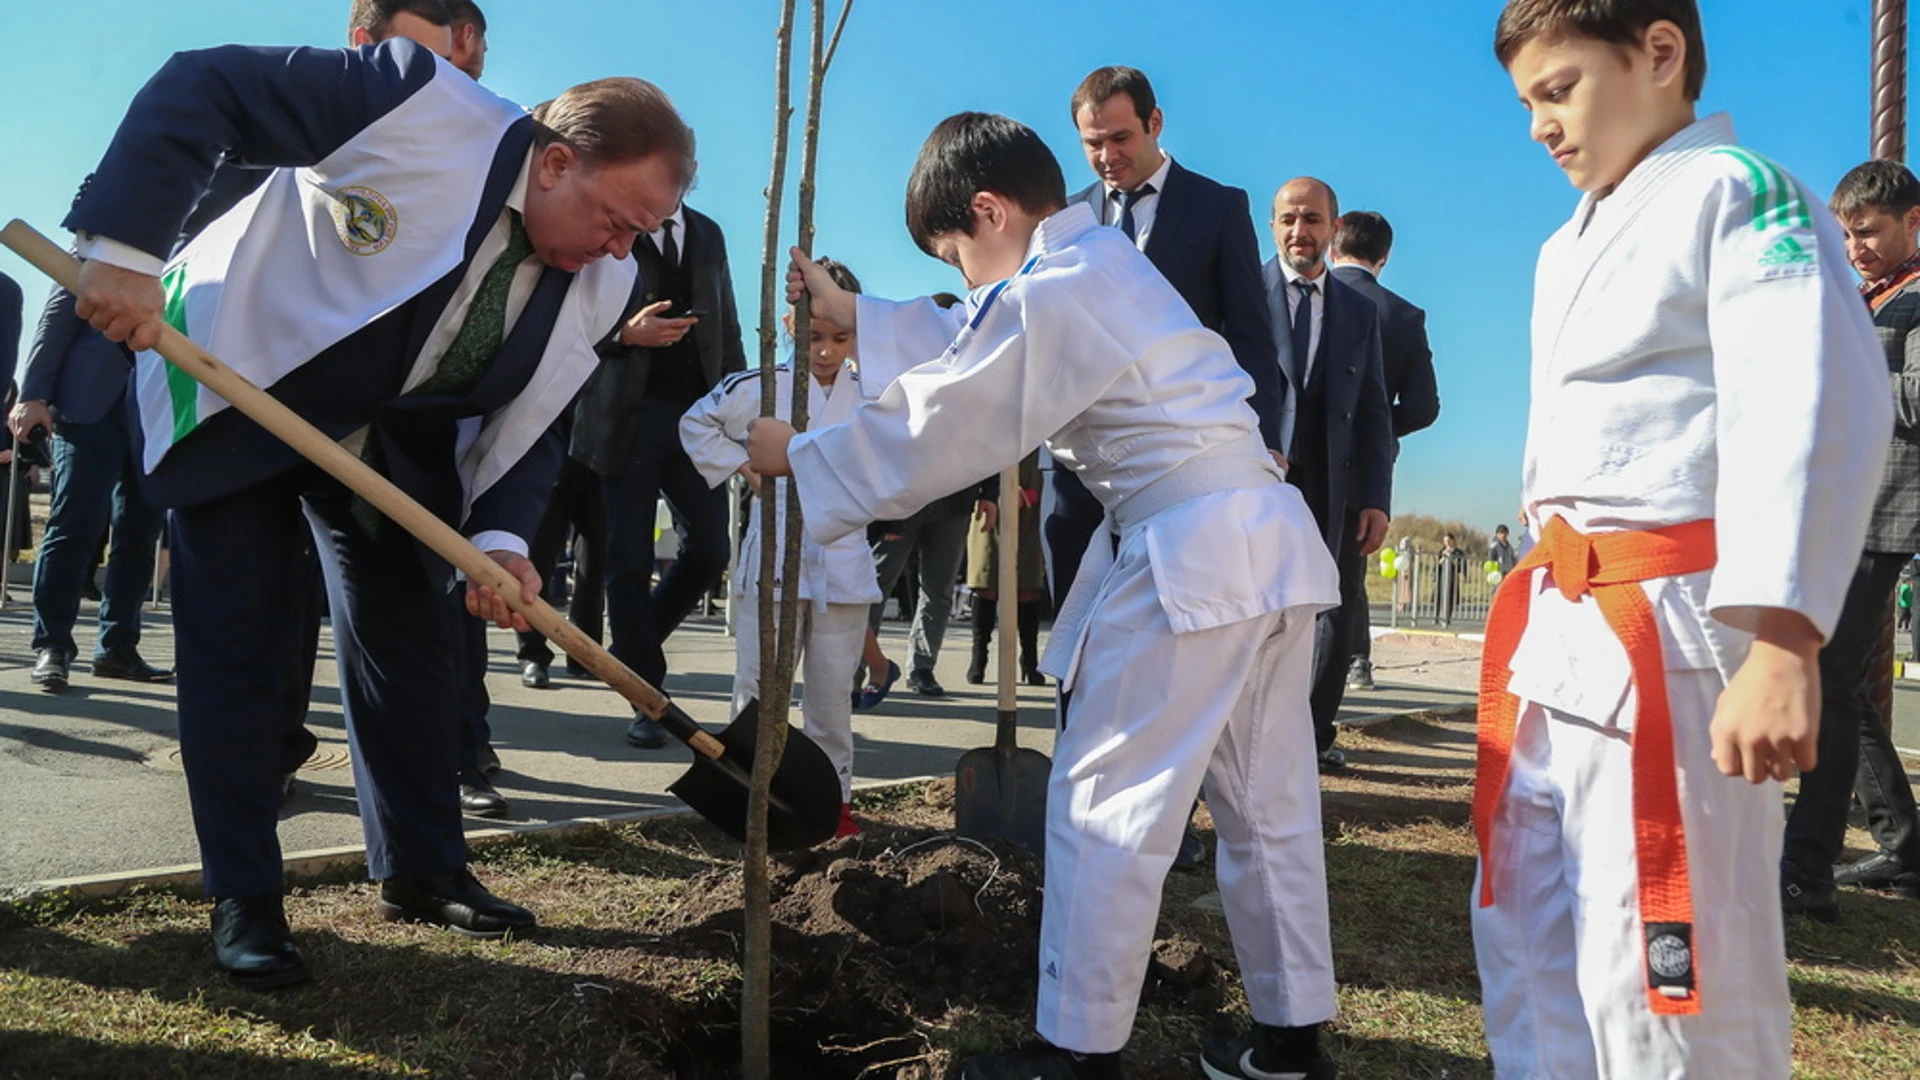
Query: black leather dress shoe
923	683
481	800
646	734
252	944
1880	870
1332	759
126	664
577	670
533	675
458	902
50	670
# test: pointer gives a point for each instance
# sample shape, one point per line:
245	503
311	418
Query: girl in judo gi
836	577
1185	646
1708	423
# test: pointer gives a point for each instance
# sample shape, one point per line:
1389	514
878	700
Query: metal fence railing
1431	588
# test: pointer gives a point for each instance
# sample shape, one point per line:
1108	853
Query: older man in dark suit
448	312
1361	248
1335	421
1878	204
680	337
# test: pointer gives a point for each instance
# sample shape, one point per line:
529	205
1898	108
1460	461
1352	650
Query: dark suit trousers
471	660
639	615
1856	752
576	507
1333	636
94	481
297	744
395	643
1068	530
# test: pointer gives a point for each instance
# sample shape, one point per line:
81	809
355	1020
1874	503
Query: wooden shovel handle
313	445
1007	555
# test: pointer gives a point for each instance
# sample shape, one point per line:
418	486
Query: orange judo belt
1610	567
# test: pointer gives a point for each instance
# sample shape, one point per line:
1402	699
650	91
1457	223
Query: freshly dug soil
873	933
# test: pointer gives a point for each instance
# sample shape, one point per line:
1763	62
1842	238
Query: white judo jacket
1089	350
1699	351
714	431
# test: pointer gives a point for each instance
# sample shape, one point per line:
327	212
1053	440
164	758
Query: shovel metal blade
1000	792
804	800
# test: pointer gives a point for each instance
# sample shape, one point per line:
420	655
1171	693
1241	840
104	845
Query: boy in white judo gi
837	578
1708	421
1184	647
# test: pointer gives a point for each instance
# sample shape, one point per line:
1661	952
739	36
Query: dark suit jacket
279	107
12	312
1202	242
1359	450
1895	526
1412	389
73	367
603	421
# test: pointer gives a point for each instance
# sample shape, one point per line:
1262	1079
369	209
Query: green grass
124	987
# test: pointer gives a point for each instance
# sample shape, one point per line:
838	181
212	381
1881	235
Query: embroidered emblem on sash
365	221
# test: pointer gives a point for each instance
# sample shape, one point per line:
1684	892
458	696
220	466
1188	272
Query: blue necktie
1127	199
1303	330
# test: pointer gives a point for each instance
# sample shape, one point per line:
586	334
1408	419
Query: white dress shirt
1317	314
659	235
1145	209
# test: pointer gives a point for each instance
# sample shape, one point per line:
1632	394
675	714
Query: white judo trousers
1153	714
831	639
1561	955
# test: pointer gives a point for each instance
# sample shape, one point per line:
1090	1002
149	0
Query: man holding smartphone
681	336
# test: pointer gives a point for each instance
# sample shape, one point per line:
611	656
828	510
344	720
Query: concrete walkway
91	784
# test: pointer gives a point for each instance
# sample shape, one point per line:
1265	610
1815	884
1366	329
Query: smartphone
687	313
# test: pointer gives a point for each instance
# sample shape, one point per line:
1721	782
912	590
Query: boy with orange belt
1708	418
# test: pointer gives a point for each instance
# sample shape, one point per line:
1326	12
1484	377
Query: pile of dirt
877	938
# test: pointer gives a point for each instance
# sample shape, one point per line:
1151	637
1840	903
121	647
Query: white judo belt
1241	465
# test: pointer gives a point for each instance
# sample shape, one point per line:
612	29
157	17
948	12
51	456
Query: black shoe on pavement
1268	1053
923	683
647	734
458	902
253	945
50	670
976	674
1333	759
577	670
1800	894
1034	677
481	800
1042	1062
1880	870
533	675
126	664
1360	675
1193	852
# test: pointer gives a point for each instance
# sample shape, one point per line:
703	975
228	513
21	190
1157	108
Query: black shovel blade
1000	792
804	804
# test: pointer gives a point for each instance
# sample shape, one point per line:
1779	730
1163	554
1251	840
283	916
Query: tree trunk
756	982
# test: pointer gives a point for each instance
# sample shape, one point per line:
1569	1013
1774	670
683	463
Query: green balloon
1389	572
1491	567
1389	556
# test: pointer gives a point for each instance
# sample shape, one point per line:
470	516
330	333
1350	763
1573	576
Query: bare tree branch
833	45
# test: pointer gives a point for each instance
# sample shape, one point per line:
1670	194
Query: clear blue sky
1398	103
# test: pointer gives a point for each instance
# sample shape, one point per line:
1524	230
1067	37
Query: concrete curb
325	864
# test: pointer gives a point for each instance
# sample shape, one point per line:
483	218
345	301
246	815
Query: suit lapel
1167	215
1276	287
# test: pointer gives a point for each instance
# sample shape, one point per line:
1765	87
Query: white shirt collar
517	197
1294	275
679	219
1158	179
1362	267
